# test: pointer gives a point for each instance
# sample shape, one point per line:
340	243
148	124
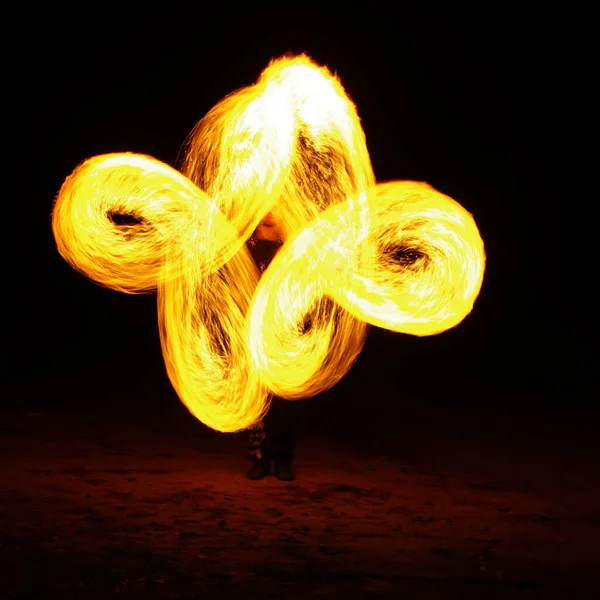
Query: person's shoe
284	472
259	469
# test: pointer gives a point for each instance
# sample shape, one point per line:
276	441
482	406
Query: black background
487	108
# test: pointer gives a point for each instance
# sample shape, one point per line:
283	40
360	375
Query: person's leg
280	430
259	452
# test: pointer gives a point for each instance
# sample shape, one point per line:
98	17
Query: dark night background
464	465
481	113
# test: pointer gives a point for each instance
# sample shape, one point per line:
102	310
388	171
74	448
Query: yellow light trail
398	255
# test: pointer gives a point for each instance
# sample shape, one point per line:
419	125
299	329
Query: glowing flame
398	255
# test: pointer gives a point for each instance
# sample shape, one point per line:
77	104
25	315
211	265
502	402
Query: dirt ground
157	506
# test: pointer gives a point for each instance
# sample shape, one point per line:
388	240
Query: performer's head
268	220
269	228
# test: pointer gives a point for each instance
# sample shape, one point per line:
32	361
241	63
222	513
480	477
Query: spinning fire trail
398	255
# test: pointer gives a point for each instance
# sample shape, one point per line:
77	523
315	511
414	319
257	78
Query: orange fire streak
398	255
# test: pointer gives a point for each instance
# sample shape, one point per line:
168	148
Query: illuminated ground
99	505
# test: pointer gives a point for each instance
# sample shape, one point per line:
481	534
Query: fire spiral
398	255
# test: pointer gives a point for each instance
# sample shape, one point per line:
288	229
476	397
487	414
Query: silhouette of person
272	440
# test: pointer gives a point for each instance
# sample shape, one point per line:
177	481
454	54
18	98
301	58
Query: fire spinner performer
272	439
257	311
